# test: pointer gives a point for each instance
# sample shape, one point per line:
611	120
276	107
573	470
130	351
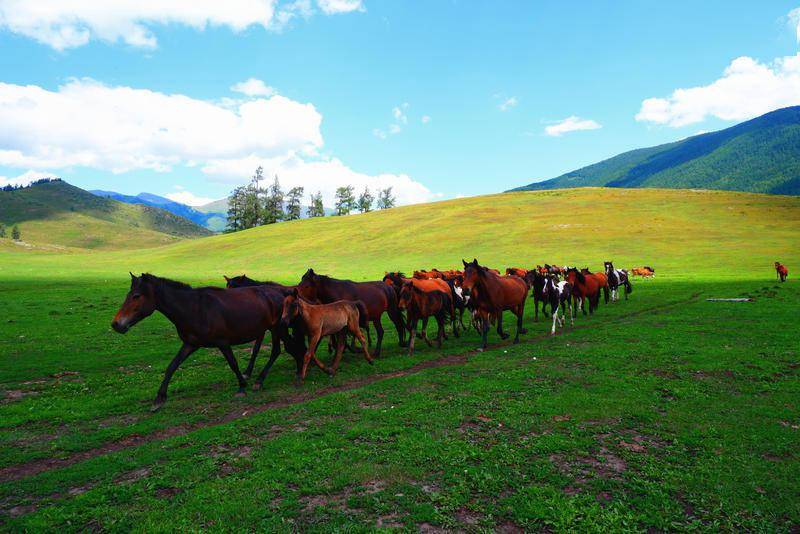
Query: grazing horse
207	317
493	294
333	319
584	286
616	278
559	295
516	271
398	279
781	270
536	280
376	296
421	304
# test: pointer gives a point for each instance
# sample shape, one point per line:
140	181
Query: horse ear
464	262
226	278
295	293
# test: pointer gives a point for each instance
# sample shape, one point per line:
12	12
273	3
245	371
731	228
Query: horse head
406	294
139	303
291	308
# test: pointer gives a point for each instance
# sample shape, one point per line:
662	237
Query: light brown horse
397	279
584	287
516	271
781	270
495	294
336	319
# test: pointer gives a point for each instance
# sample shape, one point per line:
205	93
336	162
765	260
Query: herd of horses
322	307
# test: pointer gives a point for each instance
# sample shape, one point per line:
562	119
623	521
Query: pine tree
386	199
236	204
345	200
15	235
315	208
365	201
273	204
293	199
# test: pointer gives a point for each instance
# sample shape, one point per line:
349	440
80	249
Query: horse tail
362	314
605	293
628	286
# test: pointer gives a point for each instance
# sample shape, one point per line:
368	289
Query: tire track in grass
28	469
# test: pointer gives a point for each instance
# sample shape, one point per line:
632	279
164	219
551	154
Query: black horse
209	317
537	281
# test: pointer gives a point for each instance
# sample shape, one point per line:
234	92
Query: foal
421	304
336	318
558	295
782	271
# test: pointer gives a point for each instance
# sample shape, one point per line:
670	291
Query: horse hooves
516	341
257	386
481	349
240	394
504	336
156	406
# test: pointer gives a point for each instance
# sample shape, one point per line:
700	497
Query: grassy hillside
680	233
57	213
761	155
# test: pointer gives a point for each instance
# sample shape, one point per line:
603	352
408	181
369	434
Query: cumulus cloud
746	89
188	198
64	24
85	123
793	19
253	87
24	178
570	124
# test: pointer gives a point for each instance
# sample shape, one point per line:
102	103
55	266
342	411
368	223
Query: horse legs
484	331
184	352
276	350
555	319
536	309
412	331
396	318
503	335
520	330
424	332
379	331
340	343
364	342
440	334
256	348
228	353
310	353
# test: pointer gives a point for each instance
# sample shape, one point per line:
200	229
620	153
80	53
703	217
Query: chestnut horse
207	317
334	319
421	304
495	294
781	270
376	296
397	279
584	286
516	271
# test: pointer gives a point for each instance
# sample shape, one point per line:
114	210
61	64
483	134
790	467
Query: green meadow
663	412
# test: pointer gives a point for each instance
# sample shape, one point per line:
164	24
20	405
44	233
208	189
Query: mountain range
761	155
212	216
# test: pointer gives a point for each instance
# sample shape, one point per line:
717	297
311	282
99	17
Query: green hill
57	213
761	155
680	233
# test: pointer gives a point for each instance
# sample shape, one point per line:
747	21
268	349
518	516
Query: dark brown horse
207	317
245	281
376	296
334	319
537	281
495	294
421	304
584	287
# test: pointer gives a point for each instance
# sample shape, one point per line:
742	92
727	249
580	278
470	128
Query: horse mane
164	282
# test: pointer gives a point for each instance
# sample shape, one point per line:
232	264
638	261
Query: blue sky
436	98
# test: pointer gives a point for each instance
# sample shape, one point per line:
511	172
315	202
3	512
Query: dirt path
19	471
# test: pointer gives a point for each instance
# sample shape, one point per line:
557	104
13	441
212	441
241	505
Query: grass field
664	412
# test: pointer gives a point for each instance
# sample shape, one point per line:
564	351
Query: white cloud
253	87
340	6
85	123
746	89
323	174
64	24
426	119
570	124
508	103
25	178
400	120
190	199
